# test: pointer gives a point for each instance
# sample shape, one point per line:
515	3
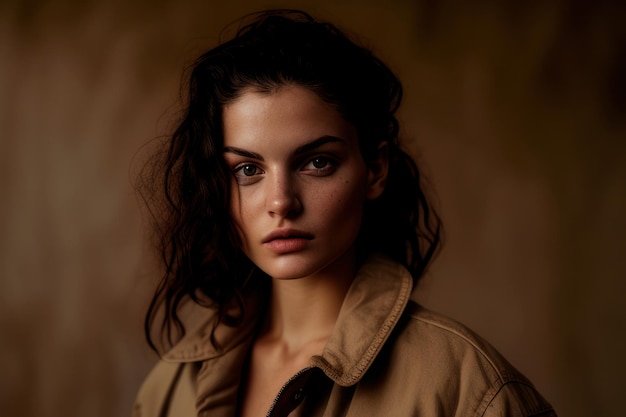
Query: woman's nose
282	198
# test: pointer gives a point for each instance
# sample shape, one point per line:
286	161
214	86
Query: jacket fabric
387	356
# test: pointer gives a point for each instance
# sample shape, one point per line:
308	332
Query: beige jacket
386	357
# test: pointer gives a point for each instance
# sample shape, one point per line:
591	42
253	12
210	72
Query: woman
293	230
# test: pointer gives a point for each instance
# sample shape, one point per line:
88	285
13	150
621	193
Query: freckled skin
320	192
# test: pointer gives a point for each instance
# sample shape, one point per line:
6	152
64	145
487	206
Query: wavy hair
198	241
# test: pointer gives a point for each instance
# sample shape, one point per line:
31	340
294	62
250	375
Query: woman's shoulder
155	388
440	334
449	360
170	385
439	340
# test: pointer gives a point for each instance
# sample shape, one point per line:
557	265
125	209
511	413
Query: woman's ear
378	169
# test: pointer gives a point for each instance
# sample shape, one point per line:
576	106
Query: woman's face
299	181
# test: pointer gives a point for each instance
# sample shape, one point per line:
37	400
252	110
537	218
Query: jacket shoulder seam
503	375
536	410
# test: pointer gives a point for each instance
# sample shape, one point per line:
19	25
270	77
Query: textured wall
517	113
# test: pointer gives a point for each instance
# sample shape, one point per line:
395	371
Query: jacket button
298	395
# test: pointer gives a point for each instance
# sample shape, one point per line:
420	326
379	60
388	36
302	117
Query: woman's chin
306	264
291	266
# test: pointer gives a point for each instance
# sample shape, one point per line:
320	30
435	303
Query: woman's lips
288	245
287	240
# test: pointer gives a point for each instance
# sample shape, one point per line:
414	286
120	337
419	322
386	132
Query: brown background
515	110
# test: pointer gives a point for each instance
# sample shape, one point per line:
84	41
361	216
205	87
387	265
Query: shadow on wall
515	110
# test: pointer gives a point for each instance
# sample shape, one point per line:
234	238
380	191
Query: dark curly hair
199	243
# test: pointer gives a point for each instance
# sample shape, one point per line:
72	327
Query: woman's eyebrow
243	152
317	143
300	150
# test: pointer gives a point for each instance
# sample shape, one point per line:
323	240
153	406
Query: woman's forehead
291	115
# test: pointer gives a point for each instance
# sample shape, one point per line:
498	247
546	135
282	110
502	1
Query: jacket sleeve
153	396
517	399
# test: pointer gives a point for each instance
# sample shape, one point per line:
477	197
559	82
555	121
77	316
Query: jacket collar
372	307
196	345
370	311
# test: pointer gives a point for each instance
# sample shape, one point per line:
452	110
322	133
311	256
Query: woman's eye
249	170
320	162
320	166
247	173
246	170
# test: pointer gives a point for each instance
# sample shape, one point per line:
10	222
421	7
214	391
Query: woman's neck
304	311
